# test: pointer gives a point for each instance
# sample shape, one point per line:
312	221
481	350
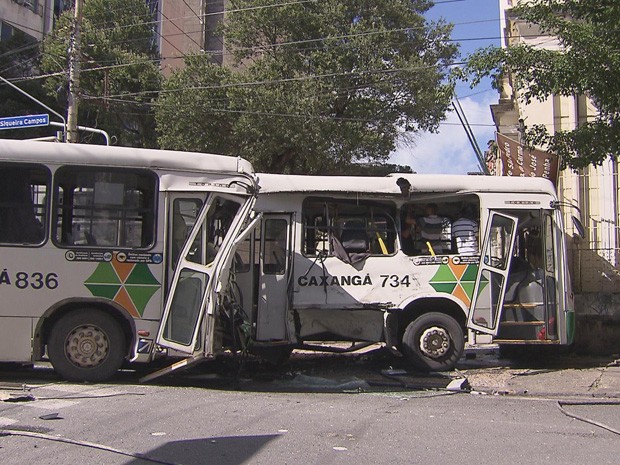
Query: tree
312	86
120	75
587	63
19	62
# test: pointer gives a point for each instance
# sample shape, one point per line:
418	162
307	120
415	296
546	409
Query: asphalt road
317	411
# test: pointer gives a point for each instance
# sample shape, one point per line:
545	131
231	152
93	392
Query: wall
181	31
34	17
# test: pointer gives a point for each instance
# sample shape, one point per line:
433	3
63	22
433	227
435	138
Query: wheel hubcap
87	346
434	342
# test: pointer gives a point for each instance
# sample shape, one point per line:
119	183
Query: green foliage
312	87
375	169
119	70
587	63
19	59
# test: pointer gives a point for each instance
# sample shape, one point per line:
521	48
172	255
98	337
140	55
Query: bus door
493	271
531	301
274	276
201	274
550	288
182	211
530	310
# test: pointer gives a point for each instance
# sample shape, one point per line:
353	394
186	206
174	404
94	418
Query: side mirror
581	231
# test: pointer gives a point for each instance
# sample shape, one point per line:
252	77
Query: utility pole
74	73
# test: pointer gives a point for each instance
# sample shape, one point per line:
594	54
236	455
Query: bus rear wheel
433	342
86	345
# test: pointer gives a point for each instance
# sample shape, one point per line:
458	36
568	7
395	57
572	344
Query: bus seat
354	238
525	286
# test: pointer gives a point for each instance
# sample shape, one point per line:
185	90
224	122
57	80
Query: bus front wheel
86	345
433	342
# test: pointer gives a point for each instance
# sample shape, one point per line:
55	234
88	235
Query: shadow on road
230	450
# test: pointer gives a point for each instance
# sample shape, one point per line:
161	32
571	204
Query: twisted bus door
201	274
493	270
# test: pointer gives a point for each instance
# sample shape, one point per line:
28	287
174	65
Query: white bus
424	264
89	241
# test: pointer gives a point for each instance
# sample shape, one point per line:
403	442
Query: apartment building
186	27
35	18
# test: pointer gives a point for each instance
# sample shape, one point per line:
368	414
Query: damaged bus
94	239
424	264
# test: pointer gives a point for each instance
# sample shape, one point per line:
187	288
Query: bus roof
101	155
387	185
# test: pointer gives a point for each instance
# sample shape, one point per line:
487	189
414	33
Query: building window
6	31
32	5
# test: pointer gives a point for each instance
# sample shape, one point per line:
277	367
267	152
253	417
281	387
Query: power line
296	115
181	30
319	39
292	79
21	27
194	14
191	9
273	81
297	42
20	63
204	15
23	48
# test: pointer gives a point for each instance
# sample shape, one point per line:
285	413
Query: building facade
595	259
35	18
180	28
187	27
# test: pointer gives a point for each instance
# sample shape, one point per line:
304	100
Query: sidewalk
596	378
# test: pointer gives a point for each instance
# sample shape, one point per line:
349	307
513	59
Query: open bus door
274	277
188	321
527	309
490	288
550	287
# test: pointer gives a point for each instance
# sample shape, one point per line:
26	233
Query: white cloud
449	151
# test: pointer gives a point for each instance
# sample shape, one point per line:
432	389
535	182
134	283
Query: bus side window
105	207
23	194
447	227
361	227
426	229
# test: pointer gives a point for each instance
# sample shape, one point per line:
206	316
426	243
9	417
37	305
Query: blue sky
476	25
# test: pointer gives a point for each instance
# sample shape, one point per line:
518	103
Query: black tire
86	345
442	338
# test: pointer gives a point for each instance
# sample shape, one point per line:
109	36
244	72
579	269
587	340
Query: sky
476	25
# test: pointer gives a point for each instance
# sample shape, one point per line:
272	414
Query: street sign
28	121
